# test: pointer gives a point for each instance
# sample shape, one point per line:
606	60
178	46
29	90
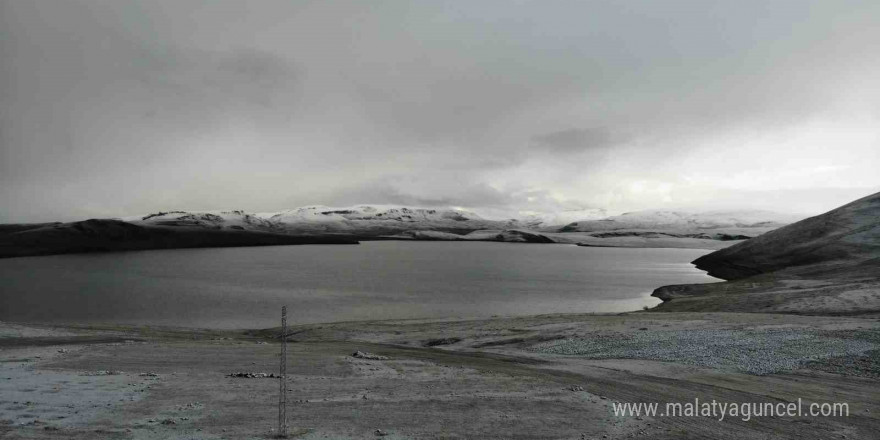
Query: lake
245	287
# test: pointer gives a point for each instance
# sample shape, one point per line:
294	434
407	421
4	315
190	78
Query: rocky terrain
828	264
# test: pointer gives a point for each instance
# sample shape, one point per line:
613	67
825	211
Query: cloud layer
111	108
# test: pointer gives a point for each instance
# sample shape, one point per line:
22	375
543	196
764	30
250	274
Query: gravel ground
865	364
753	351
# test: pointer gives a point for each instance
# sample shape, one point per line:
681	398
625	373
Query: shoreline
97	326
110	235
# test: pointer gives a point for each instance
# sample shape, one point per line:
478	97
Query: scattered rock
363	355
101	373
247	375
193	405
576	388
380	433
168	422
440	341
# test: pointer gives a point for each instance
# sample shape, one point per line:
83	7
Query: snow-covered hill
848	235
335	225
239	220
388	220
372	220
546	221
350	218
324	214
361	220
661	220
823	265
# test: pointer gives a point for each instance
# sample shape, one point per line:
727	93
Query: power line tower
282	396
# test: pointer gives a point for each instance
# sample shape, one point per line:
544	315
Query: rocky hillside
847	235
828	264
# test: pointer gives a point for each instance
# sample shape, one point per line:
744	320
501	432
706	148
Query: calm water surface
245	287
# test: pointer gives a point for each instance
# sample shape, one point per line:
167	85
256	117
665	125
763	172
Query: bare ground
442	379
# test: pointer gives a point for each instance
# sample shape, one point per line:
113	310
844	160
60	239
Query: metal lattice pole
282	397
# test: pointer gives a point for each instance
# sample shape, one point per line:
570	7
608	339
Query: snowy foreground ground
554	376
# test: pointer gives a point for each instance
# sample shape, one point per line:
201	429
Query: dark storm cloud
121	107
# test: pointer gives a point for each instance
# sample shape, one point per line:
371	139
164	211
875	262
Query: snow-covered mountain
391	220
344	219
209	219
348	225
362	220
325	214
379	219
547	220
662	220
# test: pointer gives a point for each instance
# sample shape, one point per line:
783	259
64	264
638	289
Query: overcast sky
112	108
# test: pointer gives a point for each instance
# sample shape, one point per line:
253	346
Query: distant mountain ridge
393	218
361	220
652	228
684	220
326	224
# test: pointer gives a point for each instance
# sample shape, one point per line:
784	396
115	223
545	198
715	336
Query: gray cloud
393	191
120	107
477	196
574	140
